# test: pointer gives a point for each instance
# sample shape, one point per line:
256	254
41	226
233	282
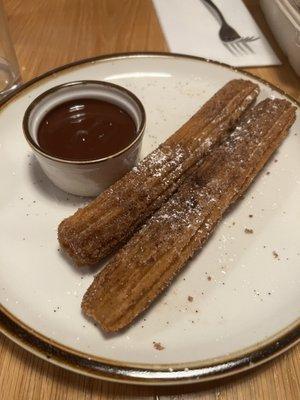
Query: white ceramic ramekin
85	178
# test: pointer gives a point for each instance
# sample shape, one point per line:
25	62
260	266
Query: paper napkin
190	27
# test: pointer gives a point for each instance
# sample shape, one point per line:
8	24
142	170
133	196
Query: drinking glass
9	68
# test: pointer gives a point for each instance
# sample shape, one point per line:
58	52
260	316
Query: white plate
246	300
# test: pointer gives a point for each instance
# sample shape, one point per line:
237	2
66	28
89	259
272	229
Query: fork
235	43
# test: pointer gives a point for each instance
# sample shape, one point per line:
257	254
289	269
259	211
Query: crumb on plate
158	346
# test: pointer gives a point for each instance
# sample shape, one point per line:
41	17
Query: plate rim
138	373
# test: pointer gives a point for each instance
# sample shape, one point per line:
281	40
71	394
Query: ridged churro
99	228
147	264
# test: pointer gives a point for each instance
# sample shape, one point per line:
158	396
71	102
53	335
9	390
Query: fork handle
214	7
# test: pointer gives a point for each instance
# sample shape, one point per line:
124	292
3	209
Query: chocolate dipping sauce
85	129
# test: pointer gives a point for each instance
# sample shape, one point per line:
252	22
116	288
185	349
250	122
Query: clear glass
9	69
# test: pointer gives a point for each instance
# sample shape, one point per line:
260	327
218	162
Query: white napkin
191	28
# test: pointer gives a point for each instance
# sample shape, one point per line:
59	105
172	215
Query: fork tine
250	38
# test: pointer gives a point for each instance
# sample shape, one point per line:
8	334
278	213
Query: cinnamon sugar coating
101	227
150	260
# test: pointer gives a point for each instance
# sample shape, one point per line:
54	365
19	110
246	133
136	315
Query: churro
147	264
107	222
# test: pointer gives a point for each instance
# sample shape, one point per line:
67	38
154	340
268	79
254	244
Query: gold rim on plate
137	373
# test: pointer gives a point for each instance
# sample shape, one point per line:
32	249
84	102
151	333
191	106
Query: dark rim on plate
35	102
144	373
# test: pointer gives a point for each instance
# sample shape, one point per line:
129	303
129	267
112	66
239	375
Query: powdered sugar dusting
188	211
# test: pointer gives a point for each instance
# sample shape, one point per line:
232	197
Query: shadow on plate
47	189
84	270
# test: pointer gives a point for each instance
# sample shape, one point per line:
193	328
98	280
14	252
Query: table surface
89	28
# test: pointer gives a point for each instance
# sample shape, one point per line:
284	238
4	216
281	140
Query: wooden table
49	33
